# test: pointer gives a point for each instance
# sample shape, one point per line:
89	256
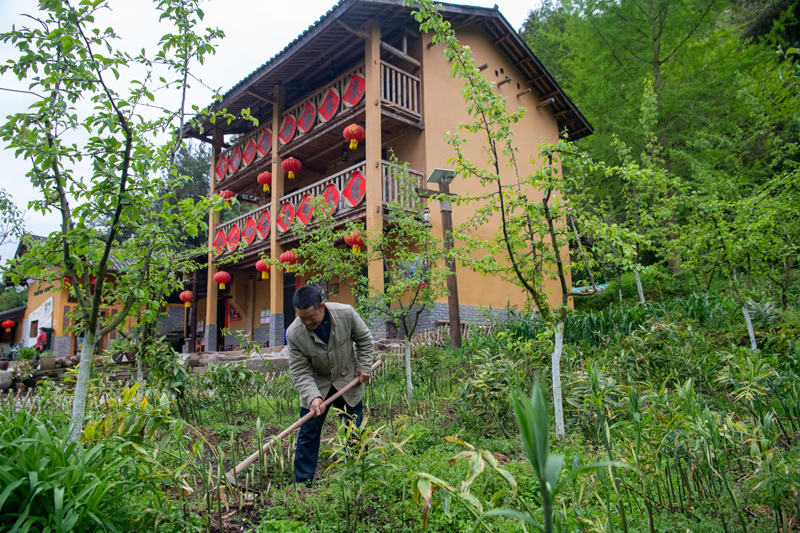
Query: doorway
288	295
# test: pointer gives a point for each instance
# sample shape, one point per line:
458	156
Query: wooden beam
254	95
358	33
399	54
560	113
483	67
523	92
431	45
545	103
503	82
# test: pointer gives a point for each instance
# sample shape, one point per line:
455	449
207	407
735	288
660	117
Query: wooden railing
393	188
317	99
400	90
339	180
240	221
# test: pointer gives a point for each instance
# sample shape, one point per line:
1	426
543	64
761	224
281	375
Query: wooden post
452	282
211	287
193	314
374	172
251	303
276	191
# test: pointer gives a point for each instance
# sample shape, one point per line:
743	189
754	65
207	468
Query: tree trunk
639	287
409	386
559	408
82	386
750	331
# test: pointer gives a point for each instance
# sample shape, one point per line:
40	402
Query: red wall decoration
355	189
222	167
306	120
233	237
219	242
285	217
235	160
249	231
355	91
263	224
329	105
264	144
331	196
288	129
305	210
249	152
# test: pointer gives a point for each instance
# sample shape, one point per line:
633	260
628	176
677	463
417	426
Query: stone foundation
275	333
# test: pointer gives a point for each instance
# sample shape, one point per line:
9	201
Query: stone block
47	362
5	379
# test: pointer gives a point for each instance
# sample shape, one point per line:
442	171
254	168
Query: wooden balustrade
400	90
392	186
339	180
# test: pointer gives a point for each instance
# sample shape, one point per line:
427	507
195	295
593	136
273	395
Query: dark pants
307	451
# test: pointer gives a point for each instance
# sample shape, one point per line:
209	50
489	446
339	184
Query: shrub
50	484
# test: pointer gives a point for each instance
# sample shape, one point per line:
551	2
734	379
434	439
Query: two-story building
366	63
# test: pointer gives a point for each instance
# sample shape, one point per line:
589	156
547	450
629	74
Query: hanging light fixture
291	166
263	267
222	278
186	298
265	179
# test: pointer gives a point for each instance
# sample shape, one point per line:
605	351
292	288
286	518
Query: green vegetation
672	422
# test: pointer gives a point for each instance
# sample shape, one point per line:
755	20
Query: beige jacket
316	366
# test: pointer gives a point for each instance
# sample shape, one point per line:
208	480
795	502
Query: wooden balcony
347	200
311	129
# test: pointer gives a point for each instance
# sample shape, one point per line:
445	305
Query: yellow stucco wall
444	109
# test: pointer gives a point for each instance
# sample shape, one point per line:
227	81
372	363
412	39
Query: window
264	316
34	328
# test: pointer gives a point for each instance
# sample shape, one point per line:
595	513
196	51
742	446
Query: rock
5	379
47	362
269	365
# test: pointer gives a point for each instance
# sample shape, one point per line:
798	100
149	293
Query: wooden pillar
372	101
211	287
251	304
276	191
193	315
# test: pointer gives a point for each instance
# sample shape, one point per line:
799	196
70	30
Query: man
321	360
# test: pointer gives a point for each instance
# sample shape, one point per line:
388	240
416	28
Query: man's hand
362	377
316	407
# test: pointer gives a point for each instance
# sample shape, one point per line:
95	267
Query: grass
704	434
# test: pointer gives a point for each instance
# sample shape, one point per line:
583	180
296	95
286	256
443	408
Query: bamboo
231	474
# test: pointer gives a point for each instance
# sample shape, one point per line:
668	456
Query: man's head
309	307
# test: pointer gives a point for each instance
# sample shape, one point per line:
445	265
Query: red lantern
423	285
94	280
265	179
354	240
186	298
67	281
222	278
8	324
227	195
288	258
355	134
262	267
291	166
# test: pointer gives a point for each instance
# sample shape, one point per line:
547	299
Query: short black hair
307	296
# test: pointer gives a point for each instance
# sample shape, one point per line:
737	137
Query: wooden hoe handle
231	474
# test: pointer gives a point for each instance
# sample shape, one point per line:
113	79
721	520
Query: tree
412	256
529	246
12	219
104	184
